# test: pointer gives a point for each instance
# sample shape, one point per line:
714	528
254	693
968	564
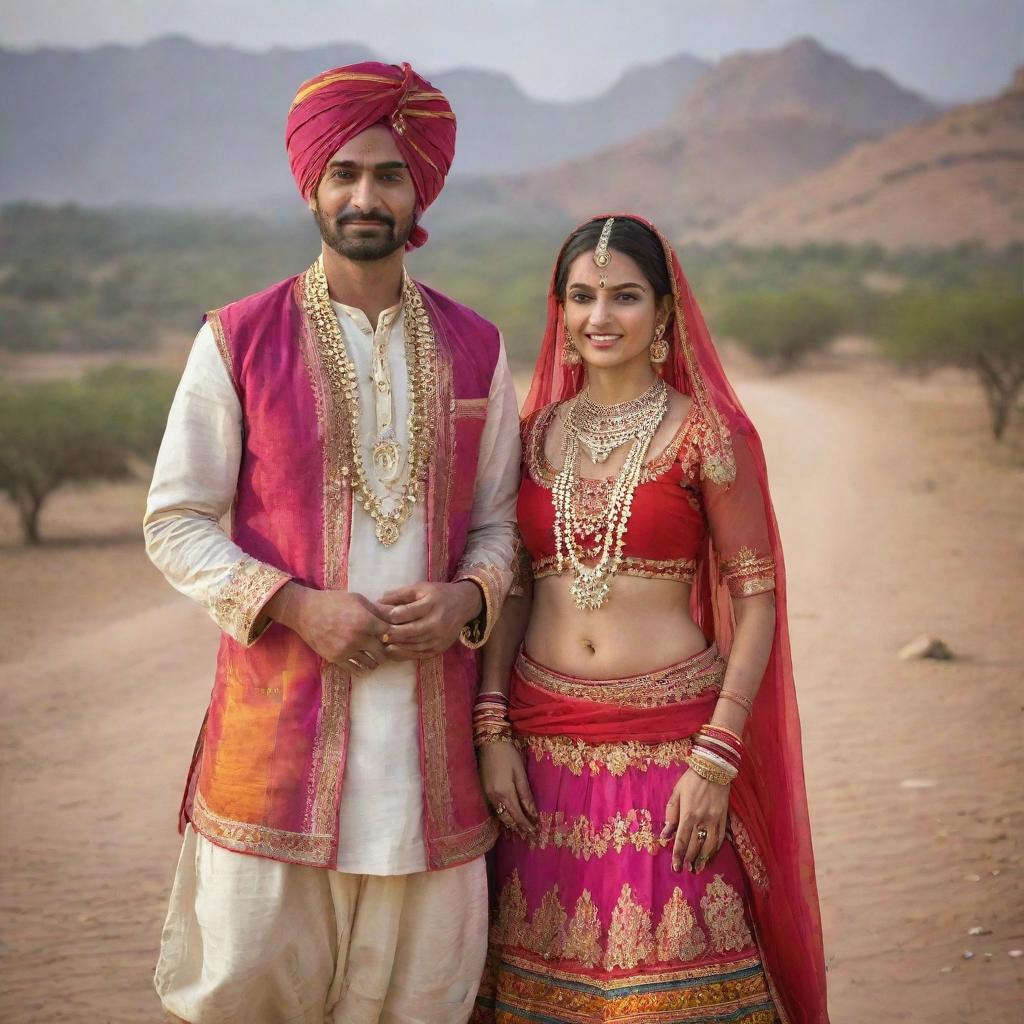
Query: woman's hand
695	804
506	787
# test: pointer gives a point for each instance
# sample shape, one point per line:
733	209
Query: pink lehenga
590	923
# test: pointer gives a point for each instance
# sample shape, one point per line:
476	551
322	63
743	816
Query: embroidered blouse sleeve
491	547
194	483
739	528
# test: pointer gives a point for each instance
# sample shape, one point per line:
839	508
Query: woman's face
611	311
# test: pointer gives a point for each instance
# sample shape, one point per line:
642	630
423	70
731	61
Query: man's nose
364	193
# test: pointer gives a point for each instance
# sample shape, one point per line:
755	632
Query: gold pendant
387	531
386	457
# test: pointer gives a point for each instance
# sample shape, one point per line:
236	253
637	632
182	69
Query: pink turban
338	105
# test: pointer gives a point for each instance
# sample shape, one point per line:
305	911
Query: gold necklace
421	359
591	584
602	428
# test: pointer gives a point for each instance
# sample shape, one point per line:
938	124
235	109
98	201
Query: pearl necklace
591	584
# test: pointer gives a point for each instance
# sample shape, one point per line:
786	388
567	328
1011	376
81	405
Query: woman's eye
579	297
629	296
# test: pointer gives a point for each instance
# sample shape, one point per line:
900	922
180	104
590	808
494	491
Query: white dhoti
253	941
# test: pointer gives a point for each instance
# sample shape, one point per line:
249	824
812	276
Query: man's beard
346	241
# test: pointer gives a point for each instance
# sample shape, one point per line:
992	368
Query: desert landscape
900	517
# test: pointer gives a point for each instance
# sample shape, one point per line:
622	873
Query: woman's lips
604	340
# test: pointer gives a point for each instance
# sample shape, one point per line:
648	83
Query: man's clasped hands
412	622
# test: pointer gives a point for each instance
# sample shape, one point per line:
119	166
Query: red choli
672	512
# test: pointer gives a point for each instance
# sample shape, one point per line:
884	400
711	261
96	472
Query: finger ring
702	833
352	661
385	638
500	810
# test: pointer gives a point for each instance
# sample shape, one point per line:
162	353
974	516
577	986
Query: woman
655	863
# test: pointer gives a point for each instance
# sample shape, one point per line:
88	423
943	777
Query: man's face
365	204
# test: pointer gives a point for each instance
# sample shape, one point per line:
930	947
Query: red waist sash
654	707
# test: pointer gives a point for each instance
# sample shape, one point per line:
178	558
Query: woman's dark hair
631	238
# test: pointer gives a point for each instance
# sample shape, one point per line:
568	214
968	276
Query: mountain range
178	123
783	146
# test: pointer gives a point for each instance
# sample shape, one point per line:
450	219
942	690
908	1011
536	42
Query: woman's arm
751	648
501	766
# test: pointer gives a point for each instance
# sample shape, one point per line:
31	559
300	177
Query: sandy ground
900	516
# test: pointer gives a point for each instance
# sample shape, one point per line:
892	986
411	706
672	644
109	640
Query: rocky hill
754	123
956	178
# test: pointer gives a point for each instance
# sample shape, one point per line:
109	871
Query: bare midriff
643	625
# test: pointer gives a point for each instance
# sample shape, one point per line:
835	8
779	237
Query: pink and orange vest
270	760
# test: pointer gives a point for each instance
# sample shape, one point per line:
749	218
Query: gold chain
421	358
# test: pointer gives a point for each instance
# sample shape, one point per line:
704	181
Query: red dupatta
771	799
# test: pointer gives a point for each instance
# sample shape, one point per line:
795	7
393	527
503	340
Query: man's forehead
374	146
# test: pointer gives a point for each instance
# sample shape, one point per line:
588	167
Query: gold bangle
708	771
495	737
744	702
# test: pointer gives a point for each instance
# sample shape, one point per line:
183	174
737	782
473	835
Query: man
363	431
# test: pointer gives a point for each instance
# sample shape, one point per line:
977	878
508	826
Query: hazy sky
949	49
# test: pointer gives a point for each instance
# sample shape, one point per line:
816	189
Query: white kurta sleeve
194	483
491	547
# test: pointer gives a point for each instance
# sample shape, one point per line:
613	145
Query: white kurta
194	480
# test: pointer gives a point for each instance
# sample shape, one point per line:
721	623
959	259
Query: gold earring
659	347
570	353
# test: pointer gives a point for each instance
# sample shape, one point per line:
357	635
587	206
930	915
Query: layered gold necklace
421	360
600	429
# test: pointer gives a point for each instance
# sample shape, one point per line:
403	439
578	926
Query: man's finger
402	614
409	634
400	595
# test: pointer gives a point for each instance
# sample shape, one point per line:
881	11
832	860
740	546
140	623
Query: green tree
981	330
782	327
56	433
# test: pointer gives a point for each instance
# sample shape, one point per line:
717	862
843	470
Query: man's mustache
352	218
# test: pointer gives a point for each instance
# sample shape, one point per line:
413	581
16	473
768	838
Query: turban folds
340	104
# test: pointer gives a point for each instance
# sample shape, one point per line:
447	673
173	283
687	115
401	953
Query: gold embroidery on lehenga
678	935
615	758
511	920
648	690
630	940
747	573
583	933
584	840
748	853
722	908
546	936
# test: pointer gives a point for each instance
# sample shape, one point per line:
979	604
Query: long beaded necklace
421	358
591	584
